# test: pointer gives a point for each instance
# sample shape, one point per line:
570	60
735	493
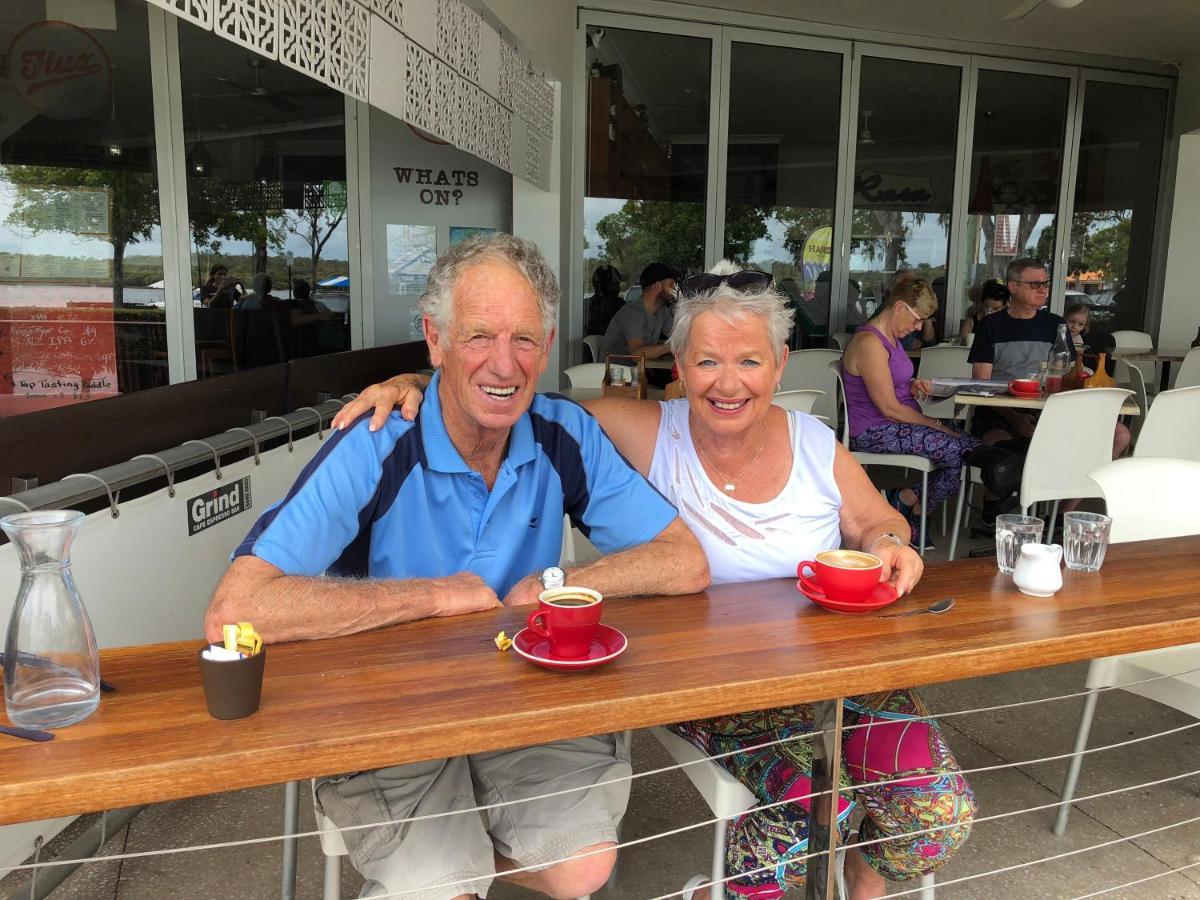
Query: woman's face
993	305
905	319
1077	322
729	372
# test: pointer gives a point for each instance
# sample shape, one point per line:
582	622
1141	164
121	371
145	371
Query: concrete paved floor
663	802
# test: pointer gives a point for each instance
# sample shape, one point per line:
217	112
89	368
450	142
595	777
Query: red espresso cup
1025	386
567	617
846	575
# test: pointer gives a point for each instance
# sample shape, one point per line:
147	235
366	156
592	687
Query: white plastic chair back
1189	370
809	370
943	361
1074	435
587	375
1131	376
1150	498
1136	340
1172	427
593	343
841	338
797	401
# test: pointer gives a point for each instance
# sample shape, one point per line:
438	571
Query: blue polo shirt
402	503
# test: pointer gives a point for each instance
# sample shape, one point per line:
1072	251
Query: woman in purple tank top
881	398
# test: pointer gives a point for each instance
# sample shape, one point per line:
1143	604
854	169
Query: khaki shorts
457	851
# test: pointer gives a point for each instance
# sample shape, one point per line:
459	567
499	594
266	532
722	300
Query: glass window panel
903	180
647	157
1016	168
81	277
781	177
266	167
1116	192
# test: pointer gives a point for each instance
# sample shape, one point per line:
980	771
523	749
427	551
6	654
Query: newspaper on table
945	387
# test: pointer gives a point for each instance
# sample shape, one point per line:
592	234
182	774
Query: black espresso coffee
572	600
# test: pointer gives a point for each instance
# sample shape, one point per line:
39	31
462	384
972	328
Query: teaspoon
30	734
940	607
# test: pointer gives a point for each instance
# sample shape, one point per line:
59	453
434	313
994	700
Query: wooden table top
1170	354
1128	408
439	687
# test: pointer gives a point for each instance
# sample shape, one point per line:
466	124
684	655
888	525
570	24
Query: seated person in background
763	488
1076	316
605	301
220	291
442	517
881	405
260	297
304	308
642	327
992	298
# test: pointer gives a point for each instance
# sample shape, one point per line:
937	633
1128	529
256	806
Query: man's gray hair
437	301
732	305
1020	266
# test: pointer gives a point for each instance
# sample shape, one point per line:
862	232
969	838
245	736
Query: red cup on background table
845	575
1024	387
567	617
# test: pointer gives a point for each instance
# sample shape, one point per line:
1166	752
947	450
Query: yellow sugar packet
503	641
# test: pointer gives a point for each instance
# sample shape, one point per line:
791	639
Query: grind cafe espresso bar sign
215	506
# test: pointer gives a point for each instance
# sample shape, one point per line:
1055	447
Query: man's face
1032	290
493	351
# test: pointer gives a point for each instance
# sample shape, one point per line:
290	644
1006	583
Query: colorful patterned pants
945	451
929	791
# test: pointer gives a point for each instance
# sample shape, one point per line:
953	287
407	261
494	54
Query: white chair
1172	426
1148	499
1127	374
894	460
333	848
1189	370
797	401
943	361
586	375
1137	340
725	795
809	370
1074	435
841	339
593	343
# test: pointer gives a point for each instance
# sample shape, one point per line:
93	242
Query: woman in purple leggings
880	403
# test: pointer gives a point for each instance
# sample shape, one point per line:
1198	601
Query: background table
439	687
1128	408
1163	357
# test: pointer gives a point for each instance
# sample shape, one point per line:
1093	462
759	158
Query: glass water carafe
51	664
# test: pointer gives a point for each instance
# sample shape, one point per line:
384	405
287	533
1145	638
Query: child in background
1076	317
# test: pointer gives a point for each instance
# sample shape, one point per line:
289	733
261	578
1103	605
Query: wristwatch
890	536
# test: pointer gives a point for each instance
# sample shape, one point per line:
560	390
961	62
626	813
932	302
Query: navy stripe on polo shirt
402	503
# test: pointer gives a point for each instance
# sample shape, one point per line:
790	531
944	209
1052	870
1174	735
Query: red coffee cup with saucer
845	581
1025	387
567	617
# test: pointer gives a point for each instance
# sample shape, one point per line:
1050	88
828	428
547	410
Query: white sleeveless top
750	541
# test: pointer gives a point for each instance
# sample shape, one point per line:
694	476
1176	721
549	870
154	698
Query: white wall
488	204
1181	292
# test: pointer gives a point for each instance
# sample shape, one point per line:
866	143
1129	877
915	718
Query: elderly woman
881	397
762	488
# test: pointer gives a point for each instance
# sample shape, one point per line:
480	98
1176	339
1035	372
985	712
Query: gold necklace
731	483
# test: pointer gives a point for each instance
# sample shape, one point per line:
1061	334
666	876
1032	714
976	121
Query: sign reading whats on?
59	69
217	505
438	187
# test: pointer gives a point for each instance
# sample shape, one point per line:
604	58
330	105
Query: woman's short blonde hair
916	292
732	305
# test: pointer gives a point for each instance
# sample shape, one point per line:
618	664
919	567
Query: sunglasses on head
745	280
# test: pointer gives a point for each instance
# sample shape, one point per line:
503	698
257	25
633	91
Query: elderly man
443	516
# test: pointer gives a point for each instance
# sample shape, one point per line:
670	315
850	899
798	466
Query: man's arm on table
284	607
671	563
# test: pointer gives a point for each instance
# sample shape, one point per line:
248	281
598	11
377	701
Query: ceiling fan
1025	7
259	91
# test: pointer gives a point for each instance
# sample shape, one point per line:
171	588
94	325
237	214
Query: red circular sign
59	69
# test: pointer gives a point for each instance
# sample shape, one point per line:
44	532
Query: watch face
553	577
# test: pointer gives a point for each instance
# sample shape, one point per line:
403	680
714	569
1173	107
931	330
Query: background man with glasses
1013	343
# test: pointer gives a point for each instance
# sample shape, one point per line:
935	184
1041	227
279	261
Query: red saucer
883	595
607	644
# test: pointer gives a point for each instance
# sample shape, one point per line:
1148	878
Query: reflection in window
266	167
81	277
903	180
1016	166
647	159
1112	224
781	178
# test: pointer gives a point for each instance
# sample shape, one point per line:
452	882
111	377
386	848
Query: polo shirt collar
440	453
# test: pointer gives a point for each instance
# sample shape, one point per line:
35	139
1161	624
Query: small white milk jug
1037	572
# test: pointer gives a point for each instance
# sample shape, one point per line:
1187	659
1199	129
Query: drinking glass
1012	532
1085	536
